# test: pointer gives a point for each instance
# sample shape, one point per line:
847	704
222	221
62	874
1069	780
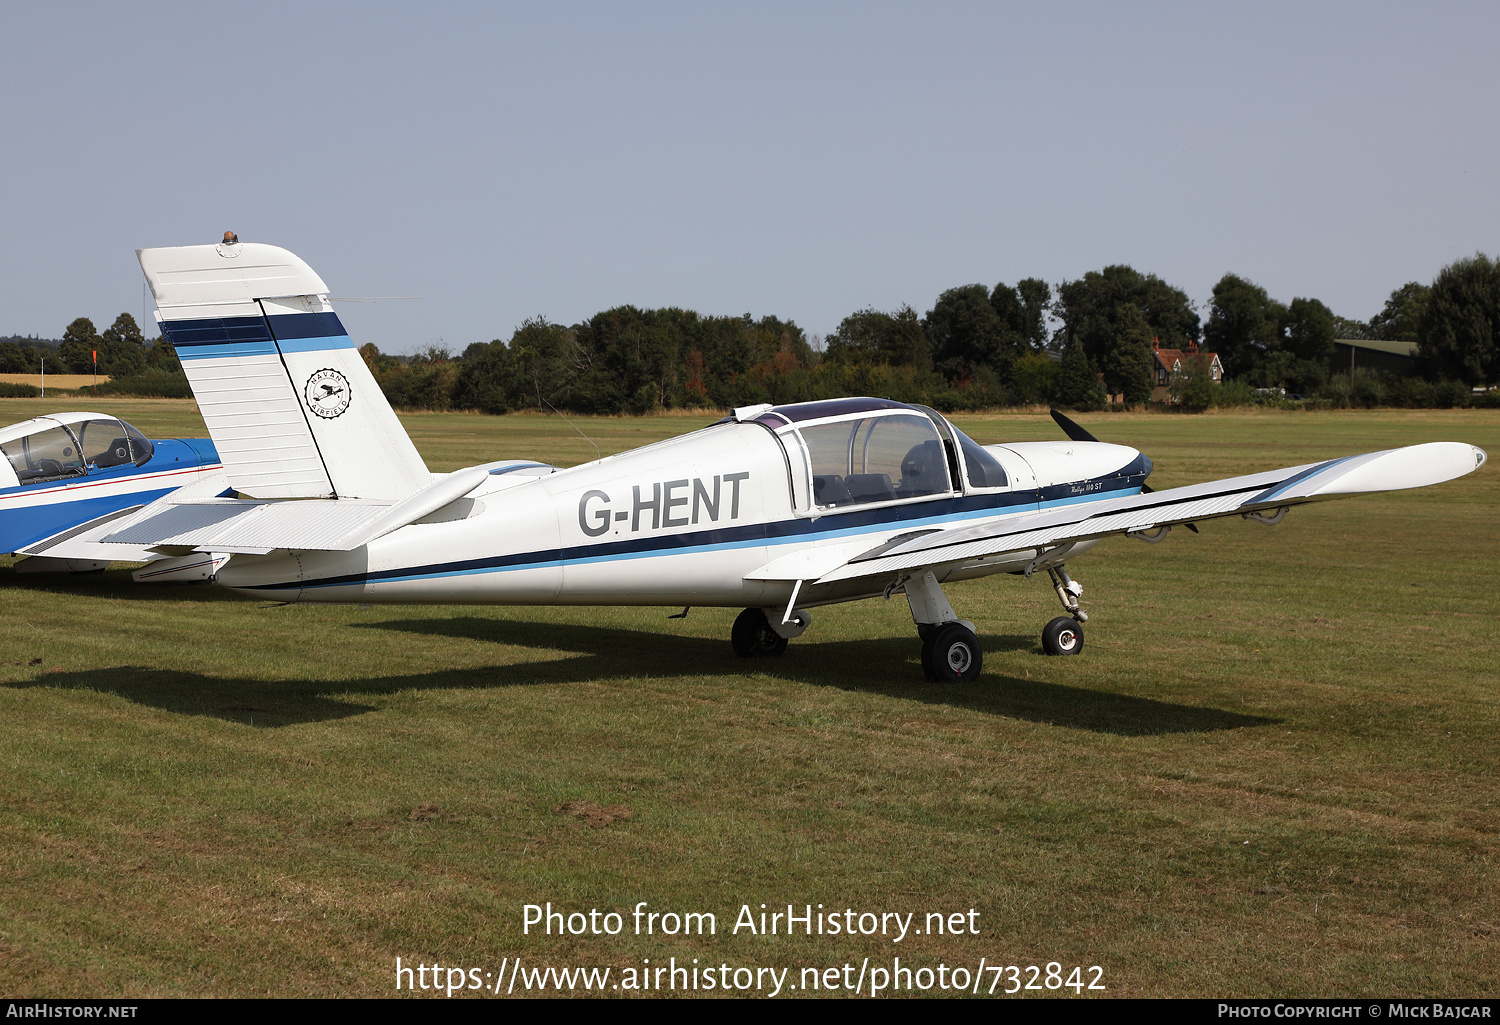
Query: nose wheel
1062	636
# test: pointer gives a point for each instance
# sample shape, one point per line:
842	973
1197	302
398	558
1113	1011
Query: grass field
1271	772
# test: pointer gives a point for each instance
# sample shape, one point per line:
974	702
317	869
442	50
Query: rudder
289	402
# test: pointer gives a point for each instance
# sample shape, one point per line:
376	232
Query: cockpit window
141	447
875	459
108	443
984	470
45	455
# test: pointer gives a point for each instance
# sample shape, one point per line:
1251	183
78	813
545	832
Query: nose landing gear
1064	635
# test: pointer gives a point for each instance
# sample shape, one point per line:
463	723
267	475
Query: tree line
1072	345
978	347
121	350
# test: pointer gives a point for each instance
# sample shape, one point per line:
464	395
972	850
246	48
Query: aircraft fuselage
685	521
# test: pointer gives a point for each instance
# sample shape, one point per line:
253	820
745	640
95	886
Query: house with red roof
1166	363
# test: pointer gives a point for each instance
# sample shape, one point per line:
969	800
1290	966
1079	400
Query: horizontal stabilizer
187	522
253	527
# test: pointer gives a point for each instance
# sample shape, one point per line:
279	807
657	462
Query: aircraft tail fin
290	404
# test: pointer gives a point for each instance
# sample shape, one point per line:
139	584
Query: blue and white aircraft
776	509
65	472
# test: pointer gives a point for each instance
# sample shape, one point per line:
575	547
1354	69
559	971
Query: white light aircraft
773	509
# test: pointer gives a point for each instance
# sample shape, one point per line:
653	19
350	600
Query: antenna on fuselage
570	423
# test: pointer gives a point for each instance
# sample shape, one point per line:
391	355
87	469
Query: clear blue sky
806	159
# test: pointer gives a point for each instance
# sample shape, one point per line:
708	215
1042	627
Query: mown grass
1270	772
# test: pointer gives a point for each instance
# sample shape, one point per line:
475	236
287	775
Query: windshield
984	470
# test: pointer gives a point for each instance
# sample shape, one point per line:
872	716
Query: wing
1264	496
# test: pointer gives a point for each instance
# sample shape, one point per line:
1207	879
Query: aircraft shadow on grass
116	584
885	666
257	703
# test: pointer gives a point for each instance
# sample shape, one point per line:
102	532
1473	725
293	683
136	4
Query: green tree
377	361
487	379
161	356
1128	363
1078	384
1343	327
889	339
544	357
79	343
1460	326
1193	386
1402	315
966	334
1244	325
1036	378
122	349
1022	312
14	361
1036	301
1307	336
1091	307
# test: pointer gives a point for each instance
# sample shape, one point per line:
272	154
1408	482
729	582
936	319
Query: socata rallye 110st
776	509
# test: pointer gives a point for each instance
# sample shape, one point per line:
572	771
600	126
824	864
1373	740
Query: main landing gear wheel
1062	636
951	654
753	637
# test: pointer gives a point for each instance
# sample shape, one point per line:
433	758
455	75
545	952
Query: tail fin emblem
327	393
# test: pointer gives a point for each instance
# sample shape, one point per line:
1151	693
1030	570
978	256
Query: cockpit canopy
861	451
51	448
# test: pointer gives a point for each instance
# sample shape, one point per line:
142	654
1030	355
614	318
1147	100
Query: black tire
753	637
952	655
1062	636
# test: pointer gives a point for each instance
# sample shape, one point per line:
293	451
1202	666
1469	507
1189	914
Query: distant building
1399	358
1166	362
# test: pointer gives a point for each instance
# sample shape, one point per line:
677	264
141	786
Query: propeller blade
1074	431
1077	432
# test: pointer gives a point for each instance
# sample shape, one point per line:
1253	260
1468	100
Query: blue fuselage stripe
748	536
